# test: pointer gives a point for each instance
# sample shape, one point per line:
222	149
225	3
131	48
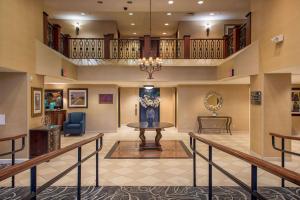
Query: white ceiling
113	10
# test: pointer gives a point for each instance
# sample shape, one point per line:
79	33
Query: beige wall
129	98
271	18
197	29
244	63
13	103
88	28
49	62
21	24
191	104
99	117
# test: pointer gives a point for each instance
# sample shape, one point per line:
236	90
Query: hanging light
150	65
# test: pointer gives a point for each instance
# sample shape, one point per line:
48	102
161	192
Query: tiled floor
158	172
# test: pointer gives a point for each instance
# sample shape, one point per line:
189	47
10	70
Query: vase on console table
150	115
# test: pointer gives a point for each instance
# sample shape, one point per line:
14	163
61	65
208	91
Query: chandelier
150	65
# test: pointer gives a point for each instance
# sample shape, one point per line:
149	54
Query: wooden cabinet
44	140
57	117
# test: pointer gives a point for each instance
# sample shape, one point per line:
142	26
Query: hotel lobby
149	99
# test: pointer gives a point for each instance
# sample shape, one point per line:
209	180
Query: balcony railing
108	48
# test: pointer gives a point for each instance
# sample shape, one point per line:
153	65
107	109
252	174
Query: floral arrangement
148	101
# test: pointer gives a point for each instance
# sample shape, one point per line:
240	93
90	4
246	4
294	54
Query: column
273	115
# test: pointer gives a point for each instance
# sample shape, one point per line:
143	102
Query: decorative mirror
213	102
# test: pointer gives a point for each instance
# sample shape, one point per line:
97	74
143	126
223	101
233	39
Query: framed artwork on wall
77	97
36	102
295	97
54	99
106	98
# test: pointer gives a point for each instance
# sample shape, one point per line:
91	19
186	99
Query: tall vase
150	115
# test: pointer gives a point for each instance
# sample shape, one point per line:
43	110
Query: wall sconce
207	26
77	26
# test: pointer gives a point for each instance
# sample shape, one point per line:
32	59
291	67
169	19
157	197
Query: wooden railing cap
285	136
12	137
289	175
18	168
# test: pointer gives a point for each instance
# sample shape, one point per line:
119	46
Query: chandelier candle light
150	65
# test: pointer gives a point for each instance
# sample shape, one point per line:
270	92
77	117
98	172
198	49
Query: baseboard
8	161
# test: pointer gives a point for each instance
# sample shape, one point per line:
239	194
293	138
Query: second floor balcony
135	48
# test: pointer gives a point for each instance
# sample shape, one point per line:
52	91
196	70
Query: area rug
151	193
171	149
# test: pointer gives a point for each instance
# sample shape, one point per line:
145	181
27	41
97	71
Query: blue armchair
75	124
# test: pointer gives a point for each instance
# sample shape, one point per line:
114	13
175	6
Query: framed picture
295	98
36	102
54	99
78	98
228	28
106	98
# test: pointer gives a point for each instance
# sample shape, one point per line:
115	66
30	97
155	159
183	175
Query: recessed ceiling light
212	14
164	33
82	13
130	13
132	24
166	24
170	2
169	14
200	2
100	2
134	33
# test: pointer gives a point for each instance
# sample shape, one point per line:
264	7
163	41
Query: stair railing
283	149
289	175
33	163
13	151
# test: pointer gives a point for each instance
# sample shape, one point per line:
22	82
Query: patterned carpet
152	193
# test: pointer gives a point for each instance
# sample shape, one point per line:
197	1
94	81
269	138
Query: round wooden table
143	126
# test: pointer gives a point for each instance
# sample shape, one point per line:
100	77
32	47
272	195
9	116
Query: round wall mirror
213	102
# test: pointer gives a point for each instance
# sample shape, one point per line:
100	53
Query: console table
214	123
43	140
143	126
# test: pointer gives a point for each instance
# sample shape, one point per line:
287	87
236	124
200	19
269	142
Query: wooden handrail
285	136
289	175
18	168
13	137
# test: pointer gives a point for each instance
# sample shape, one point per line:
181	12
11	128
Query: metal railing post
97	163
194	163
209	172
253	181
79	173
13	156
33	182
282	159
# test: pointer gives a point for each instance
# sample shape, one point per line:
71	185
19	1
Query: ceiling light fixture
130	13
148	87
132	24
200	2
169	14
212	14
150	64
134	33
166	24
82	13
170	2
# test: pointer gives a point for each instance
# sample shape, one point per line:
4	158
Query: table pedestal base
150	145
